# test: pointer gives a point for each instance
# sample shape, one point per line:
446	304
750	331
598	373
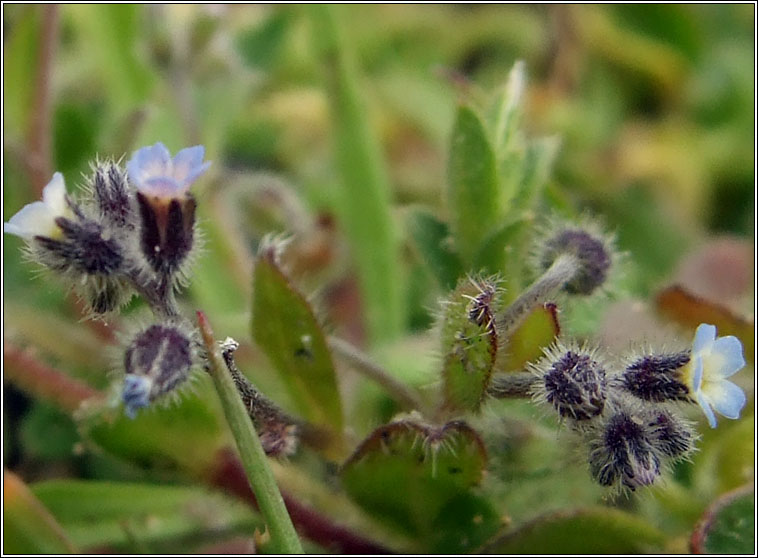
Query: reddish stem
26	372
230	476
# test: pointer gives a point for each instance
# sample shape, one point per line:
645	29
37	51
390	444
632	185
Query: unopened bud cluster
626	413
626	416
131	231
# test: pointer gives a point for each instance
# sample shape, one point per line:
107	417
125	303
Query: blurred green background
653	105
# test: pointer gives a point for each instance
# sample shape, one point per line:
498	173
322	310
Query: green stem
363	364
284	538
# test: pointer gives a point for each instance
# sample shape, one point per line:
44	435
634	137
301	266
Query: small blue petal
697	375
731	350
148	161
704	335
705	406
195	173
727	398
189	157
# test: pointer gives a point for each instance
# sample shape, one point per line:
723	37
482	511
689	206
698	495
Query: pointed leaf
538	331
469	343
589	531
97	513
728	526
406	473
501	251
286	329
186	433
473	196
434	243
28	527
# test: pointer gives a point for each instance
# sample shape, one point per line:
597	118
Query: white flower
711	363
38	218
154	173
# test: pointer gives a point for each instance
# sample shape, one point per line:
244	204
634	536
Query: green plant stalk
364	200
284	538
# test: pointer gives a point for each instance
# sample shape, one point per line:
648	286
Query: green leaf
728	526
97	513
536	168
463	524
473	195
28	527
433	240
506	113
48	433
538	331
500	252
184	434
407	474
595	530
469	342
364	197
286	329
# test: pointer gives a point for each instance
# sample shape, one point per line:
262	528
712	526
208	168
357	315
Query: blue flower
154	173
713	360
38	218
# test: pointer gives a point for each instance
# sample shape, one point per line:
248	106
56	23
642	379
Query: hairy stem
284	538
515	385
563	270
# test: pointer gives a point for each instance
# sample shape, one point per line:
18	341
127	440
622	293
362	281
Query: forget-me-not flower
713	360
154	173
38	218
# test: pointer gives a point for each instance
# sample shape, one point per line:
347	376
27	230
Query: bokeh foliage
644	113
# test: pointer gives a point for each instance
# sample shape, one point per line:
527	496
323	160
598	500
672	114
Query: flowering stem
563	270
284	538
362	363
508	386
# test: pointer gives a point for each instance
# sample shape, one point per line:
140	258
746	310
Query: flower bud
622	453
166	208
657	377
594	259
156	361
167	231
112	197
672	436
573	381
585	241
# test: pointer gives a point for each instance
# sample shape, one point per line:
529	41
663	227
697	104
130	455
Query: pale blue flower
713	360
38	218
154	173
